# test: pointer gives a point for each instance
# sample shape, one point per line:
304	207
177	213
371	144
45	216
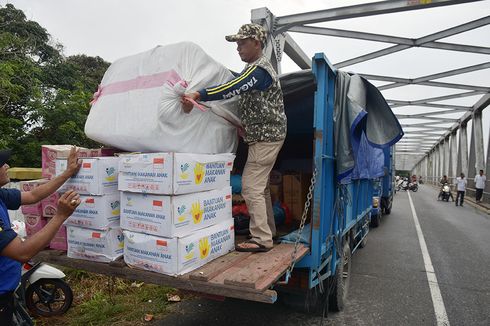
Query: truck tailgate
238	274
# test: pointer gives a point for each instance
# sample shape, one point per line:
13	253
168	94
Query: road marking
438	303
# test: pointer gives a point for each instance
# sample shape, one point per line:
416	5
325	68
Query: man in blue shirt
13	250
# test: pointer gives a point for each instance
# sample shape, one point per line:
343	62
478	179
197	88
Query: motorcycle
402	184
407	186
413	186
42	291
46	294
445	192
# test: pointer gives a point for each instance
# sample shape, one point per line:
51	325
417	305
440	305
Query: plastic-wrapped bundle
137	106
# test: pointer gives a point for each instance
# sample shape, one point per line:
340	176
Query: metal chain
302	224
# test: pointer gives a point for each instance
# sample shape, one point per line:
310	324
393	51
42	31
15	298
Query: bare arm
44	190
23	251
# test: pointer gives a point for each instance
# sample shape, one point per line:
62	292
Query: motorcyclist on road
442	182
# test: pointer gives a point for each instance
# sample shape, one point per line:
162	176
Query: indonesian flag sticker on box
97	176
96	212
174	173
176	256
171	216
95	245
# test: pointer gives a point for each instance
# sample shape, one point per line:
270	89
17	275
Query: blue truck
314	267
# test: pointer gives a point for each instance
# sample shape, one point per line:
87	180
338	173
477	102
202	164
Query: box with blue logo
97	176
171	216
97	212
174	173
176	256
95	245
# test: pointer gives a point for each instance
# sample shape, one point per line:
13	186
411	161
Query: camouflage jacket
262	112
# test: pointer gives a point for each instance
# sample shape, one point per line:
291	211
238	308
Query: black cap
4	156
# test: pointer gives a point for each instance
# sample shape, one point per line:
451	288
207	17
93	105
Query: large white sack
137	110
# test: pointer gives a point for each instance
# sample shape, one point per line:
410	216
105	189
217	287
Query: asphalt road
389	283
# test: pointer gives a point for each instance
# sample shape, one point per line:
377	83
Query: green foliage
44	96
103	300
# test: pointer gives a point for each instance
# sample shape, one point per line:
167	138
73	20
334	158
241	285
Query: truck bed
239	275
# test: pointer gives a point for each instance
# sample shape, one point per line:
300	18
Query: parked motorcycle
42	291
46	293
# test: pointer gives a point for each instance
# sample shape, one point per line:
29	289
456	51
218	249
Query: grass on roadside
103	300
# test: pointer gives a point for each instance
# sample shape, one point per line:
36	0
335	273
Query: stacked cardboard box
93	230
175	210
50	153
295	189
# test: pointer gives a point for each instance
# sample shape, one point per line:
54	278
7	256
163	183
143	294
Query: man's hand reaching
187	104
74	163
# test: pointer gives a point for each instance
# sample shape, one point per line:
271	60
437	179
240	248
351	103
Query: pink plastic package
59	241
34	223
34	209
49	205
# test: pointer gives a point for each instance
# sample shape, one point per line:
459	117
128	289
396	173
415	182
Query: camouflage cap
254	31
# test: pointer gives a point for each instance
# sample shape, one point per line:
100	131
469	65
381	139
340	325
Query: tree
44	96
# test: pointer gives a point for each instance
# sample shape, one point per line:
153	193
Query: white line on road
439	308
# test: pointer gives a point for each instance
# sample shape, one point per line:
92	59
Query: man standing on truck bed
13	250
263	118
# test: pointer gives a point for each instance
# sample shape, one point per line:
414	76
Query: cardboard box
97	212
174	173
95	245
295	190
49	154
176	256
174	216
275	177
97	176
276	193
34	223
49	205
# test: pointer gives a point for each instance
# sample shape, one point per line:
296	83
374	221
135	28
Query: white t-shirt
480	181
461	183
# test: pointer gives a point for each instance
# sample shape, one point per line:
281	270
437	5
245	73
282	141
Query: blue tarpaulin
364	125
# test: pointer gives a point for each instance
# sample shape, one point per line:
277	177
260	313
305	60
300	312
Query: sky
113	29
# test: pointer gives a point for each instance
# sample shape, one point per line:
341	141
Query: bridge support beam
476	159
453	155
462	151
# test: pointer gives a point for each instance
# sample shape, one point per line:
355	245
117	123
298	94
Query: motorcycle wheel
49	297
415	189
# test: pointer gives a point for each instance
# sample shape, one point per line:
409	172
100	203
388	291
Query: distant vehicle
384	189
405	185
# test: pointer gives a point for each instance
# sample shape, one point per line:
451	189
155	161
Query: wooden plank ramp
241	275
